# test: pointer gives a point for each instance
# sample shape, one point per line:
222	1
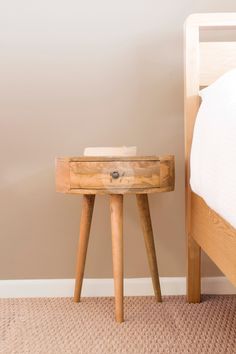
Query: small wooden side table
115	176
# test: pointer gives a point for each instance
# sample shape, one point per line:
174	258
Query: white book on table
111	151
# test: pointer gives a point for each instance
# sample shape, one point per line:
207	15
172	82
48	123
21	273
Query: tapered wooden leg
116	205
194	271
85	225
144	212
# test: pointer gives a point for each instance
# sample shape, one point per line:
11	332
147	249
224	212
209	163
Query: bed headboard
204	63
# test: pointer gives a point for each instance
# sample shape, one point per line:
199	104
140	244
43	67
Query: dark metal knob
115	174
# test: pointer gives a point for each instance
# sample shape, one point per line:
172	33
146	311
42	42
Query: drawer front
114	175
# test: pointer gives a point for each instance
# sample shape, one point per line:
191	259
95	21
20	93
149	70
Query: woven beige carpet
58	325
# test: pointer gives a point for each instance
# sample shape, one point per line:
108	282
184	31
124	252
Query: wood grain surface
95	176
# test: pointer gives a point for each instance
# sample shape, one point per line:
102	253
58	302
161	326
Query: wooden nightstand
115	176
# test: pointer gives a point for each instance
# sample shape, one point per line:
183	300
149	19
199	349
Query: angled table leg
144	212
85	225
116	206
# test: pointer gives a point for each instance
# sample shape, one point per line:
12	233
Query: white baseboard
104	287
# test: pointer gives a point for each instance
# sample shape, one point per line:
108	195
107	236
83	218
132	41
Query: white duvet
213	153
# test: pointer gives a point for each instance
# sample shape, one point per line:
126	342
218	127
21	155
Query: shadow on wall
36	225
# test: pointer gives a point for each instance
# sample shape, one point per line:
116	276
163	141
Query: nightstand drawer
115	175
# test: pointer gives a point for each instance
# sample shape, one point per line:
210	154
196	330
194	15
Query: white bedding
213	153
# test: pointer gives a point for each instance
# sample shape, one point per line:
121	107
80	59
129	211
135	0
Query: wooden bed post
191	106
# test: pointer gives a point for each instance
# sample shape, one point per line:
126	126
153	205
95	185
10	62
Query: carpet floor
57	325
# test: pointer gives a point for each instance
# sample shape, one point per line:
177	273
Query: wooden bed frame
206	230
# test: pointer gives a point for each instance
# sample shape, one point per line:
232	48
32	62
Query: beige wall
88	73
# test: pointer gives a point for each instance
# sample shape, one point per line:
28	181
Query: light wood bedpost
191	105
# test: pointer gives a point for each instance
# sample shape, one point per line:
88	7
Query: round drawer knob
115	174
